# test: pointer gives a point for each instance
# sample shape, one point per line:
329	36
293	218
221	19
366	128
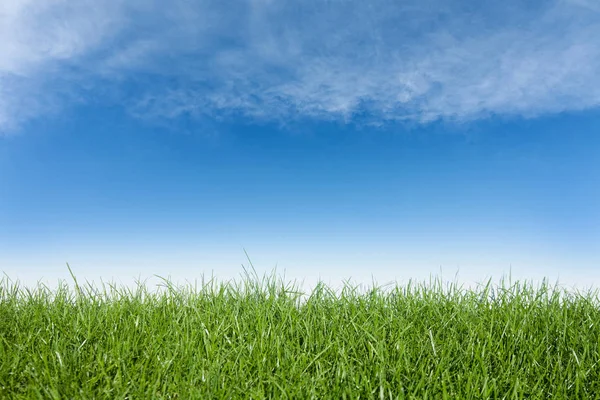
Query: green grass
261	339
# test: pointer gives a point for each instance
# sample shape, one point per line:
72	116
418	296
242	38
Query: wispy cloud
328	59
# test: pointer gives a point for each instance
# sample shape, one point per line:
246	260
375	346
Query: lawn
261	338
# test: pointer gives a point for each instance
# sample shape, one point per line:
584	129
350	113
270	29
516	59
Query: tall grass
261	338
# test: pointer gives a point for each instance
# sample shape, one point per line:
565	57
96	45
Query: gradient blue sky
335	139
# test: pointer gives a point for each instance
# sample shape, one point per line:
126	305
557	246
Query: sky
331	140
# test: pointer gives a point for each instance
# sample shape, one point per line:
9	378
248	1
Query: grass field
261	339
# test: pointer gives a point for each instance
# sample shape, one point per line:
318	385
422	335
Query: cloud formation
416	60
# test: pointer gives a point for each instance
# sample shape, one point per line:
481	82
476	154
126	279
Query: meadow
262	338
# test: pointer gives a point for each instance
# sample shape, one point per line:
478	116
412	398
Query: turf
262	339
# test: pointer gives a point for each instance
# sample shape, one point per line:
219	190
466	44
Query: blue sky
334	139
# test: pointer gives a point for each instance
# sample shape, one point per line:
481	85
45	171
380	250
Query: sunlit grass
260	338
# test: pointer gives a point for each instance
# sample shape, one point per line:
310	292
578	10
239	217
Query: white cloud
331	59
40	40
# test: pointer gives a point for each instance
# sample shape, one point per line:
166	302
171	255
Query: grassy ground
260	339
